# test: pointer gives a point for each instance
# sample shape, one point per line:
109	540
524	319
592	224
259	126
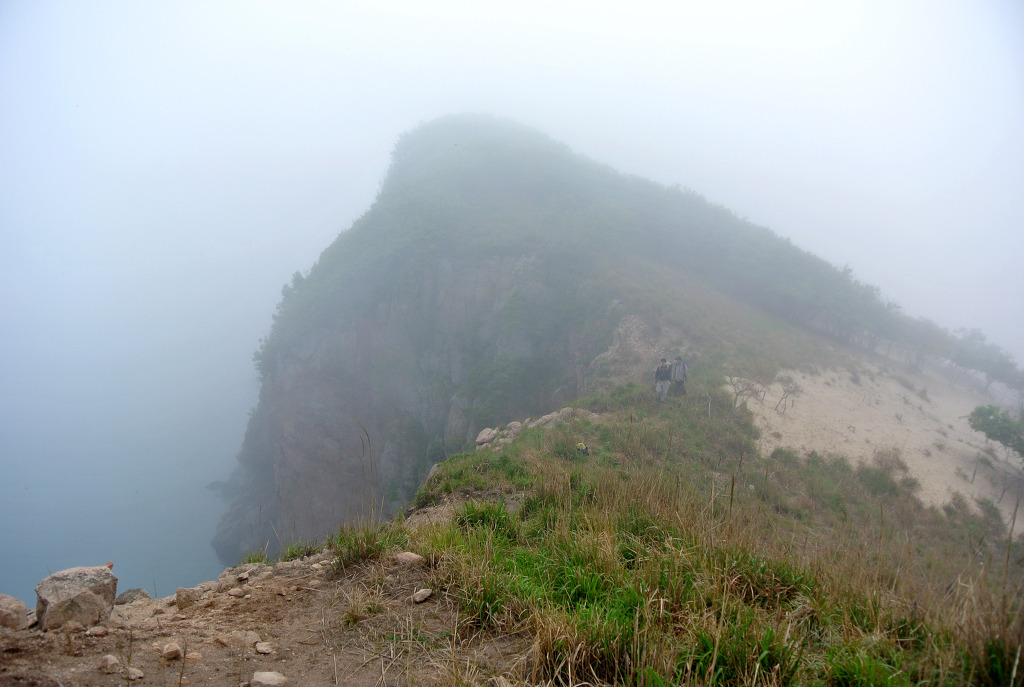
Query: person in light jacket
679	371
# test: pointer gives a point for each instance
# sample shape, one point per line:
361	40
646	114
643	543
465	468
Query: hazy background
166	166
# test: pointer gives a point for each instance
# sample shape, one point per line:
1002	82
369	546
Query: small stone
236	592
171	651
74	626
110	664
268	679
316	566
96	631
135	674
409	558
422	595
243	577
264	648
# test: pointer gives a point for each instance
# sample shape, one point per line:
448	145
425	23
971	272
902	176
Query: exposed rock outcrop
84	595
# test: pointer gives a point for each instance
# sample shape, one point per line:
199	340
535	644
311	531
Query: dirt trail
317	625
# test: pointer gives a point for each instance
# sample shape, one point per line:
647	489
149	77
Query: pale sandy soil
923	415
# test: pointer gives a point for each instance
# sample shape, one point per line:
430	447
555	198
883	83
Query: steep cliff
436	314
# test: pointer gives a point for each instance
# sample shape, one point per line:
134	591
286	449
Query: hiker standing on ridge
662	375
679	371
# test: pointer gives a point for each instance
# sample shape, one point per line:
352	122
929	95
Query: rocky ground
308	622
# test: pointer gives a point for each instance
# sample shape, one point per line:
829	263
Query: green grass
673	554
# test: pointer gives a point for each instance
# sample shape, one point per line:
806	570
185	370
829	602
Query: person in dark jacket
662	376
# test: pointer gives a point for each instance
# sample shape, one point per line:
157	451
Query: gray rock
171	651
268	679
422	595
13	613
131	595
84	595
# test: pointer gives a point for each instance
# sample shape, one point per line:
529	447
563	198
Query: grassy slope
673	554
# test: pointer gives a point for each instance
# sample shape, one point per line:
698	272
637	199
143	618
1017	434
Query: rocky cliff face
356	411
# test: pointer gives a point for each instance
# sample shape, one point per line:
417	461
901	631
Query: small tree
998	425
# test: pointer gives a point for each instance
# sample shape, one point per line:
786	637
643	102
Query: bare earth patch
317	624
923	415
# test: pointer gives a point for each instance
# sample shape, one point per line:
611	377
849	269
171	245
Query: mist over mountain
487	282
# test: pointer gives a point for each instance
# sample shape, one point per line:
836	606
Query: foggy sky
166	166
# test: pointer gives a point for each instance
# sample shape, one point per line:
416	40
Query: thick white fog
166	166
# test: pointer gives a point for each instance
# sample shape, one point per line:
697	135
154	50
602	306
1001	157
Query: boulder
84	595
13	613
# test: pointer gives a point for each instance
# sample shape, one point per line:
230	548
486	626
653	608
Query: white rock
264	648
409	558
13	613
486	436
422	595
84	594
135	674
268	679
97	631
